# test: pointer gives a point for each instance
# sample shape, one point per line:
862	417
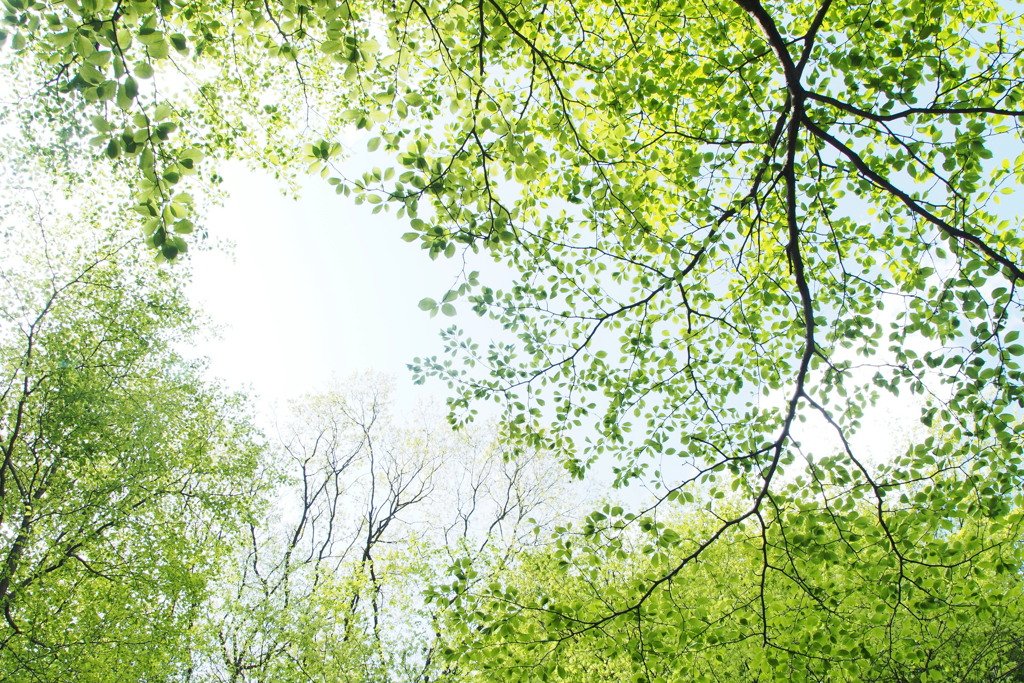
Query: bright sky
313	288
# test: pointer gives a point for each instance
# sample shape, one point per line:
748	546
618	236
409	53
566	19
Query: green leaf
164	130
123	99
158	49
143	70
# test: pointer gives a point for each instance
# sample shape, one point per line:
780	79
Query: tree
724	219
122	468
306	597
832	618
369	510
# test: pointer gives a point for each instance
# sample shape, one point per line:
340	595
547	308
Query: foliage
122	468
725	219
369	508
825	597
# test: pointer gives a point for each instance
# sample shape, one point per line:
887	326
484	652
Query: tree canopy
727	221
123	467
827	621
329	584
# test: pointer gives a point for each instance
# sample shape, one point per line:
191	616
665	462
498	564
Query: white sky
313	288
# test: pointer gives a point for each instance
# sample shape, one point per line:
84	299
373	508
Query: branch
911	203
936	111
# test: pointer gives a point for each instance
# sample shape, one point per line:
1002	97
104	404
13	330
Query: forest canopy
728	221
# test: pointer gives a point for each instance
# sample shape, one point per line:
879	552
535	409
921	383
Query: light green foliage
728	219
725	219
827	600
308	592
369	509
122	469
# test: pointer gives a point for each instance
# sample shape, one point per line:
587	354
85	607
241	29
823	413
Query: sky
313	288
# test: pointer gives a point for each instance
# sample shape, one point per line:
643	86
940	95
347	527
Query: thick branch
912	204
910	111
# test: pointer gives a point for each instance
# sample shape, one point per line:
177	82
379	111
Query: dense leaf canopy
727	221
828	622
122	468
